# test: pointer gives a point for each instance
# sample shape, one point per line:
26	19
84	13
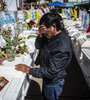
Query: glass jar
10	50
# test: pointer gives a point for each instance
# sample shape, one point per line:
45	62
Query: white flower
27	20
12	47
22	44
17	47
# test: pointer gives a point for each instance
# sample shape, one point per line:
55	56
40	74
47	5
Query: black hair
53	10
51	18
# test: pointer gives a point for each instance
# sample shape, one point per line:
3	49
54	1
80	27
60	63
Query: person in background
56	54
27	7
42	10
75	14
71	13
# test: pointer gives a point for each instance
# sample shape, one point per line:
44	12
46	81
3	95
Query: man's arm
58	62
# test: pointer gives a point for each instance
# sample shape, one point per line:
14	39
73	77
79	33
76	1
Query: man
56	54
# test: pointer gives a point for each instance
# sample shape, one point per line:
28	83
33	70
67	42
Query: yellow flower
4	54
20	38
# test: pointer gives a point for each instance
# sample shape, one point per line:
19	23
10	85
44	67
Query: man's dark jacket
56	54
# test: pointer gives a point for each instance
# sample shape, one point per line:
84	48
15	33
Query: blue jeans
52	91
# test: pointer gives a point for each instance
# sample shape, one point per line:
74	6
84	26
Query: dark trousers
52	91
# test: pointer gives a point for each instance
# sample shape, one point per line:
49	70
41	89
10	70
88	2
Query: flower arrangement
15	45
32	23
11	42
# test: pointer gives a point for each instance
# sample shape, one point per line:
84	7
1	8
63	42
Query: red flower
17	52
42	10
31	22
37	25
22	52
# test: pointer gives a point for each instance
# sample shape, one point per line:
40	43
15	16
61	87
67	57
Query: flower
31	23
20	38
4	54
17	52
21	49
37	25
1	60
22	44
22	52
17	47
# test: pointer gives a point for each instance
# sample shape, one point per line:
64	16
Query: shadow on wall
34	92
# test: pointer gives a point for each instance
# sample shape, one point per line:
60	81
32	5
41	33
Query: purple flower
1	60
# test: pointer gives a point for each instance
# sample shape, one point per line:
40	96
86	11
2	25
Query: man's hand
22	67
42	30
